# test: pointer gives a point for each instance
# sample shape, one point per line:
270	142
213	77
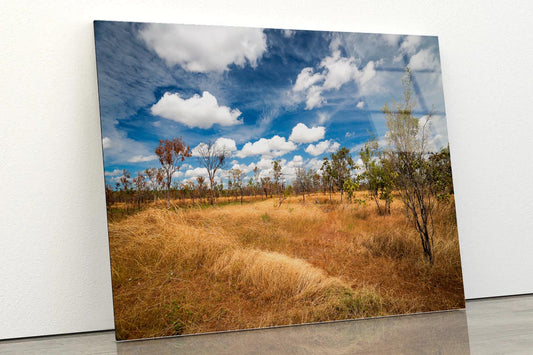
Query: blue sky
263	94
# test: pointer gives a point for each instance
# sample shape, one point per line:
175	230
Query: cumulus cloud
194	173
328	146
303	134
142	158
275	146
221	143
333	72
391	39
314	163
410	44
314	98
106	143
288	169
205	48
264	163
196	111
243	167
306	79
115	172
424	60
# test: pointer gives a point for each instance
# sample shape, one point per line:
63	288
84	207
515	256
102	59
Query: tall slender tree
212	157
408	157
171	154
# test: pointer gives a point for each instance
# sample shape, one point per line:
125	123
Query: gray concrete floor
488	326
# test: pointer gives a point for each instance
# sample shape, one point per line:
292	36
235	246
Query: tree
171	155
408	159
124	180
212	157
155	181
350	187
342	165
327	176
378	175
266	185
277	174
304	181
441	174
337	169
257	180
140	187
200	186
237	176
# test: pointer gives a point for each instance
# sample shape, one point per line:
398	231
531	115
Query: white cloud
205	48
314	98
328	146
336	71
194	173
314	163
339	70
306	79
424	60
288	33
115	172
196	111
360	105
227	144
244	168
410	44
323	117
264	163
289	168
302	134
142	158
275	146
106	143
392	40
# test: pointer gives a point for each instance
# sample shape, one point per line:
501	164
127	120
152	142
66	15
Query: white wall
54	262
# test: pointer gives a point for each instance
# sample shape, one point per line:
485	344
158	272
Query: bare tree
171	155
212	157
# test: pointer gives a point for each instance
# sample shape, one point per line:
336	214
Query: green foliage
337	169
350	187
441	174
378	175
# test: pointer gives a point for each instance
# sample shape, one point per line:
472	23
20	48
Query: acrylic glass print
262	177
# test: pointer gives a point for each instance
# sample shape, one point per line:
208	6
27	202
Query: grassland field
183	270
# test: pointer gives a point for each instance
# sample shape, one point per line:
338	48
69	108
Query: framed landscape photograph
267	177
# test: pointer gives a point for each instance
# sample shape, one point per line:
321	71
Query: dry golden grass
182	271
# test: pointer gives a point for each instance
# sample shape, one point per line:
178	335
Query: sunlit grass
188	270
